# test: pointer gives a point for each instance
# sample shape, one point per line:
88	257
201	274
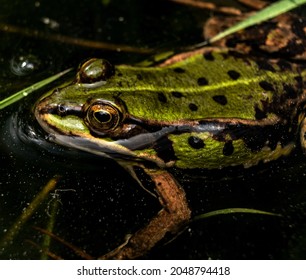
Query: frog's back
209	85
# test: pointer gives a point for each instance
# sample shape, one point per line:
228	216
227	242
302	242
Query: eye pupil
102	116
61	110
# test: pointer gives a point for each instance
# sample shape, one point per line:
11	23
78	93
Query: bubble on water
22	65
51	23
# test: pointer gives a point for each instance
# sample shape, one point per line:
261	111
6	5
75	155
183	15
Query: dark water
97	201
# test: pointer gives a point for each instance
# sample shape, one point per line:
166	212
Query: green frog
210	108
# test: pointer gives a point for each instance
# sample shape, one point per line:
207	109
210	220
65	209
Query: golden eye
95	70
102	116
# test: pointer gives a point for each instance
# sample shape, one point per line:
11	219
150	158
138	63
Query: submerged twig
45	252
72	41
209	6
75	249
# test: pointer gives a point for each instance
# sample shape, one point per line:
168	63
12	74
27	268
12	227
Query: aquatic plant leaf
25	92
269	12
232	211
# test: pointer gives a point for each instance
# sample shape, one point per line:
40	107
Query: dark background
106	203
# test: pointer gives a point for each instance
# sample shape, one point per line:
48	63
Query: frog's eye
102	116
95	70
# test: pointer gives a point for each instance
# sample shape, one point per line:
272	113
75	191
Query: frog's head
83	114
100	117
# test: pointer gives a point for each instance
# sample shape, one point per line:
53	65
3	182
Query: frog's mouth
71	131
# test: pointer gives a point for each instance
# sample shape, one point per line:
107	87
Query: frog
210	108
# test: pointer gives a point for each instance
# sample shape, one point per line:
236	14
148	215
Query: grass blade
25	92
269	12
231	211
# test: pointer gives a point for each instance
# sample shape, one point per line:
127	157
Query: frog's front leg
170	219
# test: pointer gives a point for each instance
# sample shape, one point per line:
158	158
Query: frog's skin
211	108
